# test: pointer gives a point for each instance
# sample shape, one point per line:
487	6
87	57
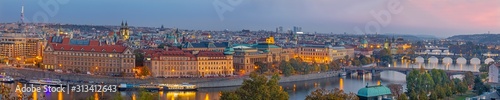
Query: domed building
378	92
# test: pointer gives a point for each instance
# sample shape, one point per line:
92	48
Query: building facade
322	53
189	63
493	71
246	55
88	56
20	49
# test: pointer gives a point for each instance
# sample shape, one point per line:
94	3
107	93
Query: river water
296	90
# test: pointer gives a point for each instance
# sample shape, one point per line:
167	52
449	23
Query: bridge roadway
376	70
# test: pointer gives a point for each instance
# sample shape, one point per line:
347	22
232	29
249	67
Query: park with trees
436	84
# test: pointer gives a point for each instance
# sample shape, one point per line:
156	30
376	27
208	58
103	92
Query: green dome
229	51
266	51
364	41
373	91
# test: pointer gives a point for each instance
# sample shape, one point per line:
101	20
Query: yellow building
179	63
88	56
18	48
321	53
246	55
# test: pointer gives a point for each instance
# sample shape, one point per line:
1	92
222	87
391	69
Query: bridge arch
488	60
461	60
398	71
447	60
475	61
433	59
419	59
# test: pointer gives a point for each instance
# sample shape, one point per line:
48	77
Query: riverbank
28	74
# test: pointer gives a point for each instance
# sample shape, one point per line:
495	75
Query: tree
396	89
403	97
423	96
468	79
258	87
335	65
286	68
117	96
145	71
324	67
480	87
229	96
316	67
484	68
335	94
413	95
440	92
460	86
144	95
261	67
433	96
139	57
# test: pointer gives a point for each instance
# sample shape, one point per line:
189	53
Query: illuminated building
124	31
322	53
18	48
184	63
88	56
265	51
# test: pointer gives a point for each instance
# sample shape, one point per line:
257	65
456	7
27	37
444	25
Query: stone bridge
376	70
446	59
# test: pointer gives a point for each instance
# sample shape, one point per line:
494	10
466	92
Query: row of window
174	68
94	54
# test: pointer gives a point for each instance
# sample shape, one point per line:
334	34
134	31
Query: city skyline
438	18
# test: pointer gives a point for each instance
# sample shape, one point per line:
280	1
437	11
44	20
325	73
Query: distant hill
412	37
478	38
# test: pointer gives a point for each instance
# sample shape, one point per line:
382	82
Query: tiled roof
89	48
210	54
206	45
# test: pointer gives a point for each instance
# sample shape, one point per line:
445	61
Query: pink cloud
462	13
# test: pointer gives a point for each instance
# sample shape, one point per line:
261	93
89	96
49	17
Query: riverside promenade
28	74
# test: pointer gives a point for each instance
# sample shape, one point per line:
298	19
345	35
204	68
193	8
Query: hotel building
189	63
19	48
88	56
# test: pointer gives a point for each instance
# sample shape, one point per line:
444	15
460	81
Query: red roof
89	48
110	33
210	54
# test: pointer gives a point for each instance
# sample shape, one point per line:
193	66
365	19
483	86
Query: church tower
124	31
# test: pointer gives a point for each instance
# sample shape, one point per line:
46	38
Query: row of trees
335	94
258	87
438	85
298	66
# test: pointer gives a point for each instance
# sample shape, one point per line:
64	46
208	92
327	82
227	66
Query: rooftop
373	91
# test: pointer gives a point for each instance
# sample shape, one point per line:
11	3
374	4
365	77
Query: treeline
436	84
296	66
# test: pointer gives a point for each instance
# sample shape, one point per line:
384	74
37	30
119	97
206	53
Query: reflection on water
296	90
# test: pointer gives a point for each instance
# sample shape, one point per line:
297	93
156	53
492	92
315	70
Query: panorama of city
249	50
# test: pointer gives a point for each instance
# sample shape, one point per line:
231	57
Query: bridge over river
376	70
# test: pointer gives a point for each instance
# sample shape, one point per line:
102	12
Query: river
296	90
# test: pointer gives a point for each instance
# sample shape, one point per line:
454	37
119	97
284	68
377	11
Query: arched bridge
376	70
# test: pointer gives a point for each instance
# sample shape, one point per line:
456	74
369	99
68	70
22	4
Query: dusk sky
441	18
